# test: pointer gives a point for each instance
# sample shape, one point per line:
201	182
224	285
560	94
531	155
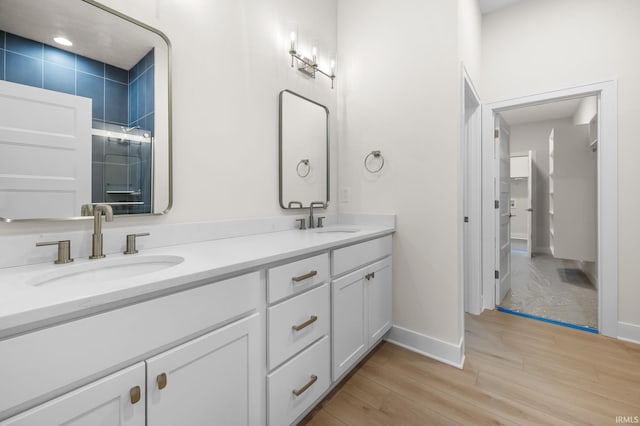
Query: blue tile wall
1	55
23	69
141	93
36	64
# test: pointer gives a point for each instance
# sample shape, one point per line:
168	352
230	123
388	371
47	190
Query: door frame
607	155
471	189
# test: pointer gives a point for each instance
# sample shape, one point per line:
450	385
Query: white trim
542	250
629	332
518	236
428	346
471	150
607	192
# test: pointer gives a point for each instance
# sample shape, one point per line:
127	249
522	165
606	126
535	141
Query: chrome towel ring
376	154
305	166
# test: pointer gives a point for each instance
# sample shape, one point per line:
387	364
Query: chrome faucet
97	211
311	206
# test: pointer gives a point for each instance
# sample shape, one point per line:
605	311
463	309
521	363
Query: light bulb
293	40
63	41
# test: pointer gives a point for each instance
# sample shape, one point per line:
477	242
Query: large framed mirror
304	151
85	95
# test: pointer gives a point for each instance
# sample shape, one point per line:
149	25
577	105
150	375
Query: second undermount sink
105	270
338	228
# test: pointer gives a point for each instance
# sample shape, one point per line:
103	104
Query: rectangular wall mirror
86	111
304	151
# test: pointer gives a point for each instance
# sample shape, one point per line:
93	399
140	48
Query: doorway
549	186
494	241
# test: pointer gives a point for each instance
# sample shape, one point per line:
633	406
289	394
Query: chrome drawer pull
305	276
298	392
305	324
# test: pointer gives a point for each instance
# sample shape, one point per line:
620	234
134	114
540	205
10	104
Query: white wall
400	93
543	45
470	38
230	61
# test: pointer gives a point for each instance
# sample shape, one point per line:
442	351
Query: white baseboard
629	332
516	236
427	346
542	250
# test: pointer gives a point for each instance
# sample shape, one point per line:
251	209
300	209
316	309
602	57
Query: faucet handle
302	224
86	210
131	242
64	250
320	223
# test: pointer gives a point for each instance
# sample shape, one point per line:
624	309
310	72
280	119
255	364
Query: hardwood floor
517	371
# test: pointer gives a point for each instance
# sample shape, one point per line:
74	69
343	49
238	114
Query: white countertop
24	306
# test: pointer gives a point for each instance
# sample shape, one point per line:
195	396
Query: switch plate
345	194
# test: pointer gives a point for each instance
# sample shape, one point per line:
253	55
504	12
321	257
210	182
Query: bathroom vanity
246	330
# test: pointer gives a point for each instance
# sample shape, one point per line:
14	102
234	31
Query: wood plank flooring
517	372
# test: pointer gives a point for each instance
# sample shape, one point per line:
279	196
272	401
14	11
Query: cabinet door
211	380
116	400
348	327
379	300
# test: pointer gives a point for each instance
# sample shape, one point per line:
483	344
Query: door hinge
496	204
496	133
497	275
466	219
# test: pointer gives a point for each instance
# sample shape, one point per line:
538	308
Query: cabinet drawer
349	258
307	375
46	361
289	279
309	312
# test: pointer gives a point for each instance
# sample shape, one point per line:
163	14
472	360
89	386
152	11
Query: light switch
345	194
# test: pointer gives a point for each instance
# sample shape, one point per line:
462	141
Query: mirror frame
169	126
280	165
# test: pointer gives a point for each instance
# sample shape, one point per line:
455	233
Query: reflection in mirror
304	151
84	95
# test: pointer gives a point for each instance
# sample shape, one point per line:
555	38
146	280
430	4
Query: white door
531	188
503	214
379	293
348	328
211	380
116	400
45	152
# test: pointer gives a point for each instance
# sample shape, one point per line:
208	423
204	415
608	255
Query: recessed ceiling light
63	41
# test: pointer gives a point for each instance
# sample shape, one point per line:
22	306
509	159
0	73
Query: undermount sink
105	270
336	229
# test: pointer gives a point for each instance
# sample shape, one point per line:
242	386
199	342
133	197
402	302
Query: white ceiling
95	33
487	6
549	111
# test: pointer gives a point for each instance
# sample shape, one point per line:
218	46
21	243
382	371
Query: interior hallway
551	288
517	371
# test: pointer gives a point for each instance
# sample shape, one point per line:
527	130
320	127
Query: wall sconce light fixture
309	66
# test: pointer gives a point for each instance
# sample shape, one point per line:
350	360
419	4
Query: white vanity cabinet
207	372
259	348
212	380
361	301
298	344
118	399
